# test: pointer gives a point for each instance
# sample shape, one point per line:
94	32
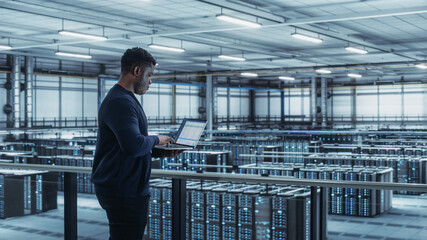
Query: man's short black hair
135	57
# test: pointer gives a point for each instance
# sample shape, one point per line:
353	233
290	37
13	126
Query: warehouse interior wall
62	97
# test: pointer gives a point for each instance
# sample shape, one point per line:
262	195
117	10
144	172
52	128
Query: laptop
188	135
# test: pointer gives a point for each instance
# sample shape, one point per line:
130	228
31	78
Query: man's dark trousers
127	216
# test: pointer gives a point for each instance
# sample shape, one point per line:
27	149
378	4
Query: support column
353	106
29	69
70	206
101	90
282	106
228	105
178	209
268	105
174	104
209	103
16	85
402	104
313	102
324	92
252	106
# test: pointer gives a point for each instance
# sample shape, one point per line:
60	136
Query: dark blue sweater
122	163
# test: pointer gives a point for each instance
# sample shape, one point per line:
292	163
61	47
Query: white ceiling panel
392	31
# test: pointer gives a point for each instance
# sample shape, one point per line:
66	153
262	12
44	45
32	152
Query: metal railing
70	122
179	188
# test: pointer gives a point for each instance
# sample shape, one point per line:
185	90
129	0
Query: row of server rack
342	201
229	211
24	192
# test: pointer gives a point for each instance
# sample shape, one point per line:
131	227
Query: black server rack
246	215
154	225
214	214
44	191
367	197
351	194
337	197
197	213
229	214
167	211
11	195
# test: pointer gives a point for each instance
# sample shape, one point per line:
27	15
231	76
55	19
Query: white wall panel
413	104
367	105
3	101
261	107
295	103
222	106
71	104
90	104
194	108
342	106
182	105
165	106
47	105
390	105
150	105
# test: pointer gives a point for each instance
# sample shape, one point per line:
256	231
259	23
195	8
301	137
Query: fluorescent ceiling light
83	35
306	38
286	78
5	47
354	75
171	49
232	58
237	21
421	66
249	74
356	50
324	71
64	54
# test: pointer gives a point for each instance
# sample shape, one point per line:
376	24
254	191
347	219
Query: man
122	164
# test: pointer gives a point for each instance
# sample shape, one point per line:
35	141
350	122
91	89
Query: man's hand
165	153
163	140
171	153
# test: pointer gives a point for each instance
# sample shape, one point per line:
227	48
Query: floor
407	220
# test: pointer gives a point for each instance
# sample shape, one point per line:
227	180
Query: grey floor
407	220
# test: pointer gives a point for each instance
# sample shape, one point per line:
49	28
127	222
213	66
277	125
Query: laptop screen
190	132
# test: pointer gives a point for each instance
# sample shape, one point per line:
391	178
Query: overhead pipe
324	93
16	87
29	68
313	102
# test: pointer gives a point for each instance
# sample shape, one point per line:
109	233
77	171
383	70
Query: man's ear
136	71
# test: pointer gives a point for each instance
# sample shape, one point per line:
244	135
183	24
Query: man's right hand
163	140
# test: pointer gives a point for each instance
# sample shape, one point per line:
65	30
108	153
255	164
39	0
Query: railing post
315	214
323	213
70	206
178	208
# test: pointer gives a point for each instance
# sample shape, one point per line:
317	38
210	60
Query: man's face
143	79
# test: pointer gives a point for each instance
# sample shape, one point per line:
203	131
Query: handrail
228	177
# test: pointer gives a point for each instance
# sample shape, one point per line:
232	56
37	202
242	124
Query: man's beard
139	87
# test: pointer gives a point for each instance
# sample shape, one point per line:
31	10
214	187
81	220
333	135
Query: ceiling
393	32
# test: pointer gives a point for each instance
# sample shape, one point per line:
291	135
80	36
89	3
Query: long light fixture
82	35
354	75
421	66
5	47
249	74
241	59
356	50
166	48
235	20
286	78
323	71
74	55
306	38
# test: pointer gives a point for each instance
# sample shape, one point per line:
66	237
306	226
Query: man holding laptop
122	163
